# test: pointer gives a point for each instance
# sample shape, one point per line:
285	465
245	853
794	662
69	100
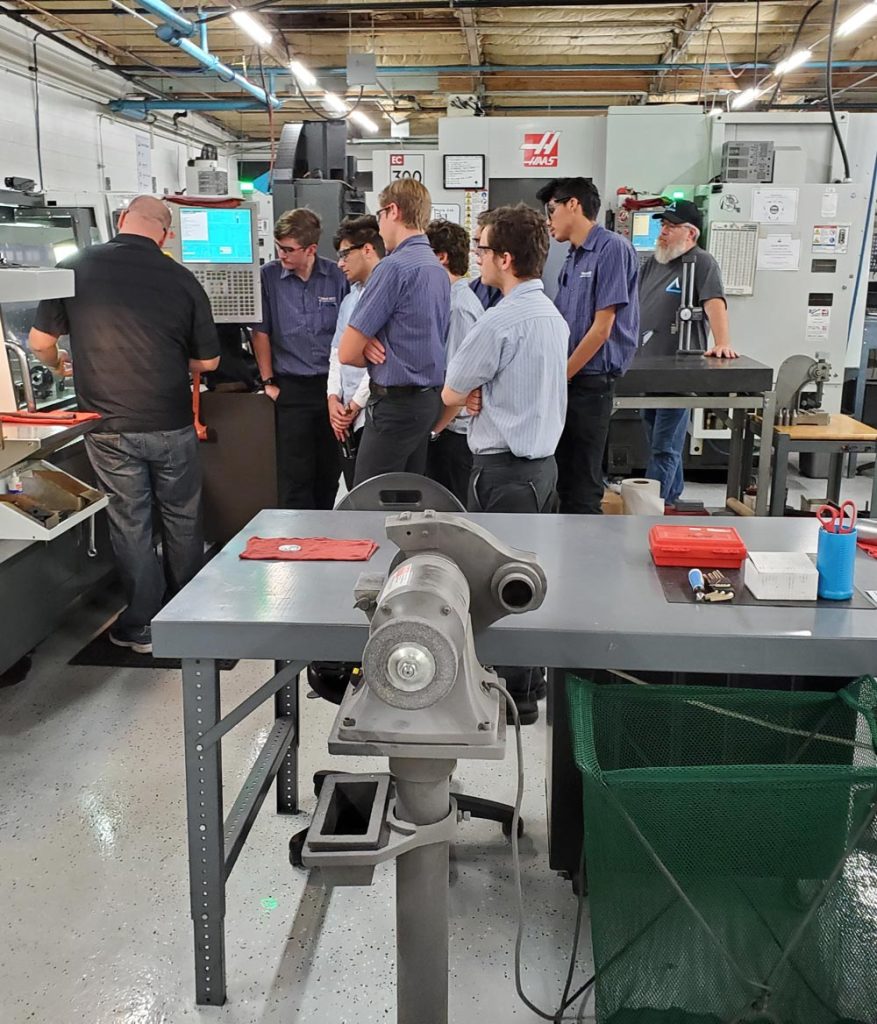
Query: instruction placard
830	238
775	205
779	252
818	322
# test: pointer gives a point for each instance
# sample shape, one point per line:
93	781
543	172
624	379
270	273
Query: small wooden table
840	436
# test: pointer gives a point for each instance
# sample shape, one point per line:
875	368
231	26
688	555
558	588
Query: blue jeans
666	430
140	471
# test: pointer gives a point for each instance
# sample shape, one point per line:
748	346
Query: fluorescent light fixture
792	62
254	29
743	99
363	120
855	21
304	75
335	103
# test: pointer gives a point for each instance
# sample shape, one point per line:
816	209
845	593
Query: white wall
86	153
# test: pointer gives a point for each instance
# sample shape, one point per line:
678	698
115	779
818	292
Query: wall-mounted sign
407	165
464	170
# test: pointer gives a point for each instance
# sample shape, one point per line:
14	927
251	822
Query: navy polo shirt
599	273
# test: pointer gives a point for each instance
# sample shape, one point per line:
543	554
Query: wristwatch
265	381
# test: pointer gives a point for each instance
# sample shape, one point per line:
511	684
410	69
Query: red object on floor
309	549
868	546
53	418
714	547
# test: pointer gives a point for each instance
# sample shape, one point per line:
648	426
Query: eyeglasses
673	225
383	209
344	253
287	250
550	208
480	250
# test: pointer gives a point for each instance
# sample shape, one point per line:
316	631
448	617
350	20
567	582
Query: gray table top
604	607
694	373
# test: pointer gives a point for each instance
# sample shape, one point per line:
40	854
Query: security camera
20	184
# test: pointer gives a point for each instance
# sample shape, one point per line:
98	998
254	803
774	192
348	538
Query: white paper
446	211
818	321
143	153
775	205
829	202
779	252
463	170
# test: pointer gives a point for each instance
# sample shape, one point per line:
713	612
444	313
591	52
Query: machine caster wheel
296	846
507	828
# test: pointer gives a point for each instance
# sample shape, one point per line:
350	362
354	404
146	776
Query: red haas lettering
541	149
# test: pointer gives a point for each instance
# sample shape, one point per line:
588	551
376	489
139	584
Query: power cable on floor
566	1000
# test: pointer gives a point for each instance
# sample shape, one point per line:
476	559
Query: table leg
201	711
873	509
286	703
765	453
780	473
735	455
835	471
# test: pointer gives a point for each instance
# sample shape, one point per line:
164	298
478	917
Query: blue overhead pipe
135	107
176	29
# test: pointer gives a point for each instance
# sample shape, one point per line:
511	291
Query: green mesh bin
731	852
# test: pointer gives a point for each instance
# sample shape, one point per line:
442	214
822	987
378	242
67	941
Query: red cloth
53	418
309	549
869	547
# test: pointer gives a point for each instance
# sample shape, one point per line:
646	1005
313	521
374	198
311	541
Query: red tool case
715	547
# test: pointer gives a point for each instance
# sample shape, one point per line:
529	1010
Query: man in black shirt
138	323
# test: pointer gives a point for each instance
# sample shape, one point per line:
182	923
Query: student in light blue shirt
450	461
515	358
360	249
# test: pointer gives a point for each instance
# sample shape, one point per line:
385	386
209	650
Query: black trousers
449	463
308	459
504	483
583	443
396	433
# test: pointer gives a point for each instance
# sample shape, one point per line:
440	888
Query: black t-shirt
136	319
660	293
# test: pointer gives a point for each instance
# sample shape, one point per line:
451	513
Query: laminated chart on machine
735	248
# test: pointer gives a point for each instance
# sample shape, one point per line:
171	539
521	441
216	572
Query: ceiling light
743	99
304	75
855	21
363	120
790	63
335	103
254	29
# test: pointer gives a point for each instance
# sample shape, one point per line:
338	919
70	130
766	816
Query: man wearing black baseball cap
660	294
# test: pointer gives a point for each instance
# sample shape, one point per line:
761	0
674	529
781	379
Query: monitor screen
644	231
215	236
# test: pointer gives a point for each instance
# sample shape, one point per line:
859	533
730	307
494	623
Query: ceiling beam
694	21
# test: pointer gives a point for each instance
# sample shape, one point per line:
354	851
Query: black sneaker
528	711
138	639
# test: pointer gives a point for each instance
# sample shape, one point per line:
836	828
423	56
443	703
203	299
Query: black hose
829	88
791	50
36	112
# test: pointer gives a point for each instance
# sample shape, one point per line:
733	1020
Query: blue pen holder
836	564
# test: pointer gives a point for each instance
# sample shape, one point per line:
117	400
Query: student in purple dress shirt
398	331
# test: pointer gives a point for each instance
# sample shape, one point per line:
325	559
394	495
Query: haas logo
540	149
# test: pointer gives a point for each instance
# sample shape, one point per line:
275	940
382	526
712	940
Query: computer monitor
216	236
644	231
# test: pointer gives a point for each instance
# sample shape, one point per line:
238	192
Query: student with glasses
398	332
597	296
301	296
514	360
360	249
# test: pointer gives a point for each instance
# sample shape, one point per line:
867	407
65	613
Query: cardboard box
781	576
612	504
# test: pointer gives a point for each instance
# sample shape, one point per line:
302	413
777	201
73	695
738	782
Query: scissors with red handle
838	520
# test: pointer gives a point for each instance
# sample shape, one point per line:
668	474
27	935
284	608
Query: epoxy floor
93	889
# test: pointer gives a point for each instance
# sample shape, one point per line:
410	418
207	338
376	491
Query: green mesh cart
731	852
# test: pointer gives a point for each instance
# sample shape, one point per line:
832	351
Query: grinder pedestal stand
423	701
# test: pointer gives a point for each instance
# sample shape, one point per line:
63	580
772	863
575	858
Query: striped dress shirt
516	354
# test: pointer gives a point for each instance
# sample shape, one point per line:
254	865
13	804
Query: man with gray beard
660	294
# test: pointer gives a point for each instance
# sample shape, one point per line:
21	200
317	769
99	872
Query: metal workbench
604	609
696	382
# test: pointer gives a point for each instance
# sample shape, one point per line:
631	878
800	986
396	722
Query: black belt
506	459
606	377
399	389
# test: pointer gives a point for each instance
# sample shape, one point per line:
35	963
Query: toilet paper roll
642	498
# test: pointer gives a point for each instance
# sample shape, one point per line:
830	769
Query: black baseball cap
680	211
